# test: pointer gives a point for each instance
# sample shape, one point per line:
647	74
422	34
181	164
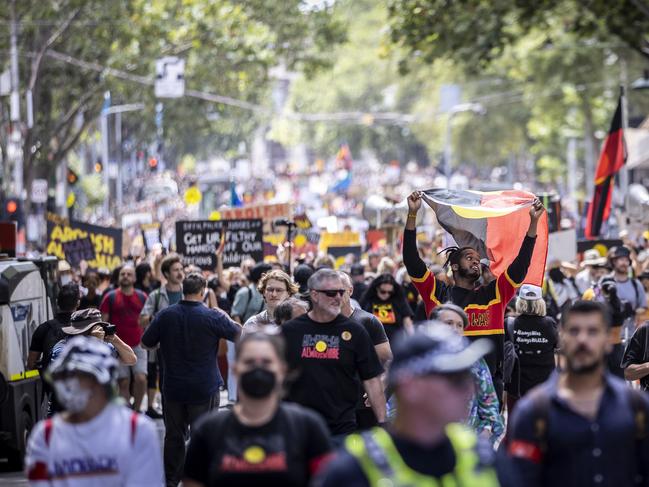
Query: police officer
425	445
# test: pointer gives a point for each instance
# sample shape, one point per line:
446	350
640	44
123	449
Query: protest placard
198	240
72	236
150	235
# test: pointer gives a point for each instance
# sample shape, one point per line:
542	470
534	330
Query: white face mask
71	395
65	279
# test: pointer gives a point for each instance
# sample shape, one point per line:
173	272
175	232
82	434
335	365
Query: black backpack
53	336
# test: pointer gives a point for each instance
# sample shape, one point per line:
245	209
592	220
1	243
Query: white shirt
102	452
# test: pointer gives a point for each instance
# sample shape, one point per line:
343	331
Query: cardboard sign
77	250
197	241
106	241
562	246
150	235
267	213
339	239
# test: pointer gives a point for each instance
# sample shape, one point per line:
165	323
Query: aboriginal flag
610	162
494	223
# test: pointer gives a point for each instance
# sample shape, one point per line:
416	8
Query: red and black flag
611	160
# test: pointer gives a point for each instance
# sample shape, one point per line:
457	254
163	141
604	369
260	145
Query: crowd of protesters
353	376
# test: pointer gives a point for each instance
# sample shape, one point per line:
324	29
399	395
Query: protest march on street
324	243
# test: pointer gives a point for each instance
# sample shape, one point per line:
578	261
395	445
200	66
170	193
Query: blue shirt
579	452
189	334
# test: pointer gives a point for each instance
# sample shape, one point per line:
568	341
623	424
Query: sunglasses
331	293
385	291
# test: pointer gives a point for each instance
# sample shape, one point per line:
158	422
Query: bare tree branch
72	112
37	61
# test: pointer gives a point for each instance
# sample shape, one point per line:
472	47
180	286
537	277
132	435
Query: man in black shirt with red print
331	353
484	305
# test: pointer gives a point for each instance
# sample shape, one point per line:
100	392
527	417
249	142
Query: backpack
53	336
112	297
49	426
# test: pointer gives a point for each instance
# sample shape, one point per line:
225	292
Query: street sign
39	191
170	77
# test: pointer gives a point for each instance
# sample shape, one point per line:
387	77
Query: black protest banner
197	241
340	253
150	235
602	245
77	250
106	241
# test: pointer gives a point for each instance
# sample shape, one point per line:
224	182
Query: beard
468	273
583	368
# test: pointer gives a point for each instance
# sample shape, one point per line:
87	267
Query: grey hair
347	281
318	277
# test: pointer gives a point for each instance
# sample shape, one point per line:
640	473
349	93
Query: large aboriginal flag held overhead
494	223
610	162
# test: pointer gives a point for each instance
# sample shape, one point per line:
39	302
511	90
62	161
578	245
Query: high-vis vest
382	464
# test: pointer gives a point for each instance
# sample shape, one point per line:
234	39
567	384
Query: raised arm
517	270
415	266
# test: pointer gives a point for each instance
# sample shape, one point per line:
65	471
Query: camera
109	328
609	288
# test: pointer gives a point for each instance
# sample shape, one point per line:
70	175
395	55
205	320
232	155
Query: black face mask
258	382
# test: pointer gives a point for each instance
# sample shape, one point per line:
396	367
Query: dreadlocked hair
453	254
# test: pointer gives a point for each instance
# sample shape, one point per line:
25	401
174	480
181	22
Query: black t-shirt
359	290
48	334
412	296
87	302
390	313
637	351
535	340
372	325
332	359
434	461
286	451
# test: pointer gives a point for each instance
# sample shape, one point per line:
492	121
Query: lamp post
476	108
117	110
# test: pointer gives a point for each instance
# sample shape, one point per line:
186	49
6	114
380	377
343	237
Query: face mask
258	382
71	395
65	279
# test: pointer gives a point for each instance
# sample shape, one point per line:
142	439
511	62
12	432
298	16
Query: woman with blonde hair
535	339
275	286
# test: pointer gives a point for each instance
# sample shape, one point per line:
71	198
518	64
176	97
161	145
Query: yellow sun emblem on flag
321	346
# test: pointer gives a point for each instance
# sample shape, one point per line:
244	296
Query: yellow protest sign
193	196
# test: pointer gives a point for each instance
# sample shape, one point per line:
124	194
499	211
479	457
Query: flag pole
624	173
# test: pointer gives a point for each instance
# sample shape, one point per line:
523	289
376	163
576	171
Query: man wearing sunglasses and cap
426	444
97	441
333	355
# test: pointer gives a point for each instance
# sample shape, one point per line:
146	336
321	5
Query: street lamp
476	108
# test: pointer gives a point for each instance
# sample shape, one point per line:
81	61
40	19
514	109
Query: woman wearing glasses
275	286
484	412
261	441
385	300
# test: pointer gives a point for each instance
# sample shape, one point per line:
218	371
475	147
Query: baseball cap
82	320
64	266
620	251
88	355
530	292
357	270
434	349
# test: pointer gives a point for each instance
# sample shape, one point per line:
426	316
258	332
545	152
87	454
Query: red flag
610	162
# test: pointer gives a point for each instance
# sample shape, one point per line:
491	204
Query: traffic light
12	210
153	163
72	177
99	167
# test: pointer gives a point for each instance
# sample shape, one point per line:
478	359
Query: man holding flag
459	213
